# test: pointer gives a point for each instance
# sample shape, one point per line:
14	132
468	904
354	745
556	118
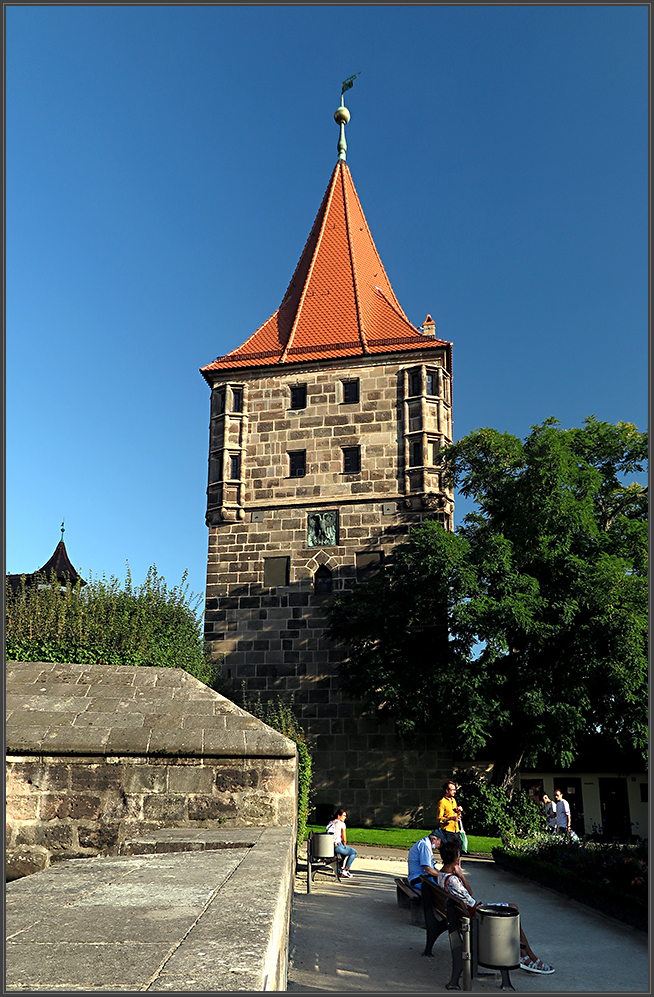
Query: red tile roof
339	302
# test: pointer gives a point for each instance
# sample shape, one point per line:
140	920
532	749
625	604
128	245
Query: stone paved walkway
352	937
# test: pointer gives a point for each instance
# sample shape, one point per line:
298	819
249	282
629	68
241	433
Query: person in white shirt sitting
452	880
336	827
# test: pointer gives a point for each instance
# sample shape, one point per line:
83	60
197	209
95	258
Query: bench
410	898
444	912
329	864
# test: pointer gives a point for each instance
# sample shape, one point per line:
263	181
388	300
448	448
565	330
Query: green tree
105	622
544	590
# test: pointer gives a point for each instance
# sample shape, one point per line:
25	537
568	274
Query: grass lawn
400	837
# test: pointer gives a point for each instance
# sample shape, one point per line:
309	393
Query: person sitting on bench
451	879
336	827
421	859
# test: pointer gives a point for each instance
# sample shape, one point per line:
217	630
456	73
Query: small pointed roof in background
339	302
59	563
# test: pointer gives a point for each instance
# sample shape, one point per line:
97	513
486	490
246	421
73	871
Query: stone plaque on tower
322	529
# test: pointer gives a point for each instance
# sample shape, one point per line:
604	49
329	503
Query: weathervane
63	530
342	116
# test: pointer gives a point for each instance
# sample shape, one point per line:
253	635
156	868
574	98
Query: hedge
624	907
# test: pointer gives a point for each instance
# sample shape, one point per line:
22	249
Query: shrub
610	877
489	810
106	623
280	717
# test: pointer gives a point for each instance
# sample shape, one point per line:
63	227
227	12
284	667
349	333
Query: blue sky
164	167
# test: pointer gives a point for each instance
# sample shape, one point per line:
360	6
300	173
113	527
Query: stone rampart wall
64	807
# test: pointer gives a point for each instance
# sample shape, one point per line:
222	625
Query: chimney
429	328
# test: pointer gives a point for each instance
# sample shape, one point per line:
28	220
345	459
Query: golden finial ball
341	115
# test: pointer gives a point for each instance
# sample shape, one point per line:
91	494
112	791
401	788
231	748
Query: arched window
322	580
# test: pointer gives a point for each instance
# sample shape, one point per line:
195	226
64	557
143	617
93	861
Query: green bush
103	622
280	717
609	877
489	810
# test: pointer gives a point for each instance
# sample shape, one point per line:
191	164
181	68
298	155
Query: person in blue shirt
421	858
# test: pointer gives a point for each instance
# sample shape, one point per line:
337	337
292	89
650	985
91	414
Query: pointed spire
339	302
60	565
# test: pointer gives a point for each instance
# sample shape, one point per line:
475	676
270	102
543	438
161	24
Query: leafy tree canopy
527	628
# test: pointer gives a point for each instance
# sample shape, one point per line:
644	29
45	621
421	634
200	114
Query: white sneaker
348	875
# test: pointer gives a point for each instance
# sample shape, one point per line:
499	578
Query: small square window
216	468
415	418
415	453
350	392
297	460
275	571
432	382
235	468
299	396
415	384
237	398
219	402
415	481
351	460
369	564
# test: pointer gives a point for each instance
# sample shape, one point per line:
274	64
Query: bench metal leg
456	947
466	955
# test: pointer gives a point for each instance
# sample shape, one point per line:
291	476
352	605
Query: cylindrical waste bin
322	846
498	936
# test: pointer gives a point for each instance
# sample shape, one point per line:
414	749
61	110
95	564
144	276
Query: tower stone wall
316	471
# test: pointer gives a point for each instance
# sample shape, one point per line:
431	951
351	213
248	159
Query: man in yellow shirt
449	814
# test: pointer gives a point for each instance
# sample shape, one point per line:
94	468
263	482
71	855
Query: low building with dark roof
58	565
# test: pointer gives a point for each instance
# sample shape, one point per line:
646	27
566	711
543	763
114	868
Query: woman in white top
336	827
452	880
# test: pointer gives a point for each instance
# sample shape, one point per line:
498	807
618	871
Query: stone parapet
192	911
231	771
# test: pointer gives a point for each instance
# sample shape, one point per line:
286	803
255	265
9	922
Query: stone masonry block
95	777
56	837
100	837
22	807
202	808
144	779
165	808
186	779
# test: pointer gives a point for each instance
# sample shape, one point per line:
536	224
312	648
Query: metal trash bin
322	845
498	936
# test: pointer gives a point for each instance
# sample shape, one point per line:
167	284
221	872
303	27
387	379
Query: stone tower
325	429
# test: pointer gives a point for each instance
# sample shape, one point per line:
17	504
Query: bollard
309	865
